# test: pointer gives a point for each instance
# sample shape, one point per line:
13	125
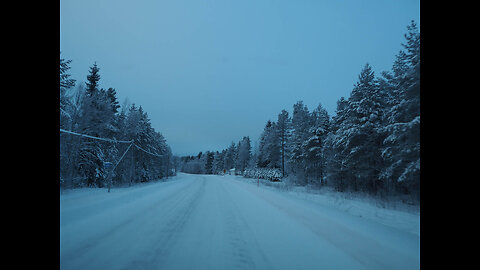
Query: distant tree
269	147
92	79
112	98
321	119
229	158
218	161
210	156
283	131
243	153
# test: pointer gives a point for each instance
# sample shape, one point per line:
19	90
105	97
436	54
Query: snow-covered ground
228	222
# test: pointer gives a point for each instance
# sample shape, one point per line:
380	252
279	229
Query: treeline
372	144
237	156
89	110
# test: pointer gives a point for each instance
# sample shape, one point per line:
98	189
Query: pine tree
65	81
269	147
301	123
401	145
314	145
95	111
412	46
219	161
210	156
358	133
334	149
93	122
283	131
65	84
67	117
92	80
243	154
262	157
112	98
229	158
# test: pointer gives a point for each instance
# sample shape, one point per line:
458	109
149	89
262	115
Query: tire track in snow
90	228
124	243
154	255
240	237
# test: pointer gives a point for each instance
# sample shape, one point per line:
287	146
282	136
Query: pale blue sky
210	72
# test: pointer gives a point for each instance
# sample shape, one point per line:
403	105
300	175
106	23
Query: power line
110	140
93	137
147	151
131	142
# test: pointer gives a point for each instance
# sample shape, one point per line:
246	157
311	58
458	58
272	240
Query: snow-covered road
221	222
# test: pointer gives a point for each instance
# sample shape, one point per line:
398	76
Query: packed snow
230	222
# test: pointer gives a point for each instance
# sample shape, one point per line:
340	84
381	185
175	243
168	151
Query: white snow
228	222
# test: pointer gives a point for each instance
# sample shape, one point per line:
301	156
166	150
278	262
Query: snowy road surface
221	222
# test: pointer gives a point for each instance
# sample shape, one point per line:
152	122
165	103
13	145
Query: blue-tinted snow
227	222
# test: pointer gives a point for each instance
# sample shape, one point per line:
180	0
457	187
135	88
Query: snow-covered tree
243	154
283	133
269	147
301	123
209	158
314	145
218	162
401	146
66	83
334	149
229	158
95	111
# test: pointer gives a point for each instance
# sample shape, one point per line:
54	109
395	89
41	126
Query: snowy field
227	222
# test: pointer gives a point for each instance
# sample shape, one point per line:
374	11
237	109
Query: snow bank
391	213
271	174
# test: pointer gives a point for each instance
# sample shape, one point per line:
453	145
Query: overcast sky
210	72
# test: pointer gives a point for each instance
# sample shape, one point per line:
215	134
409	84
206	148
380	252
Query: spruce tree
65	81
229	158
283	131
243	154
301	123
314	145
358	133
210	156
401	146
269	147
92	80
334	149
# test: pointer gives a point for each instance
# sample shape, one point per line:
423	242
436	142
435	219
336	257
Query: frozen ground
227	222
